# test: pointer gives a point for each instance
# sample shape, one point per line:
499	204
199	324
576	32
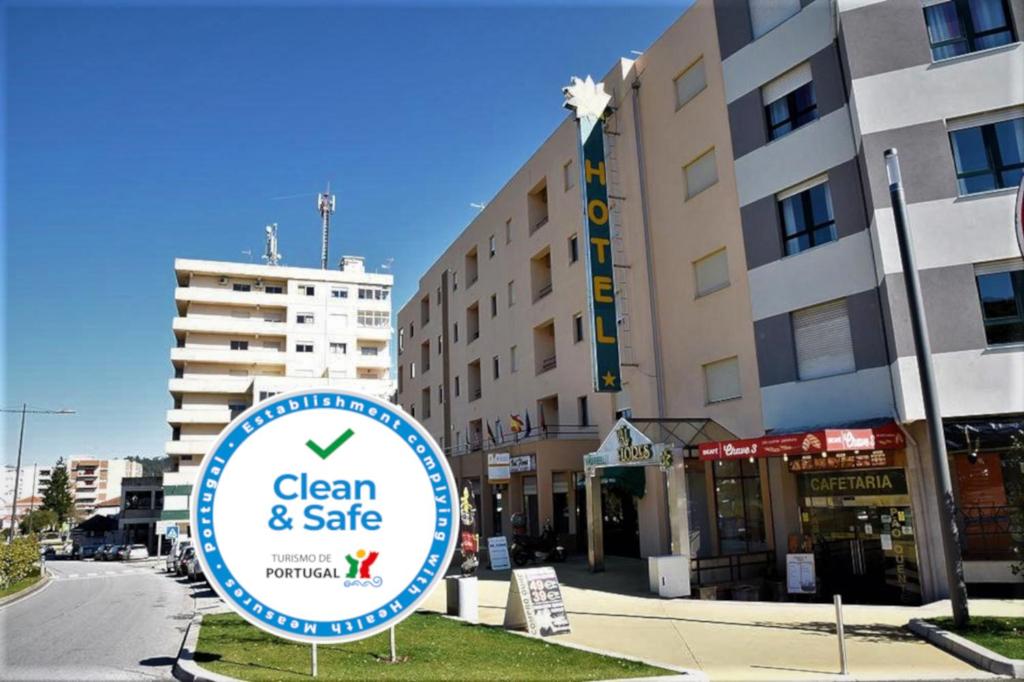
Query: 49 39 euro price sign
324	515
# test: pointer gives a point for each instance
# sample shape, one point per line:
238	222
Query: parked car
120	553
108	552
101	552
186	556
174	556
193	568
85	551
136	552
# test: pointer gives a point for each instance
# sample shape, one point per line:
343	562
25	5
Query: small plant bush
18	560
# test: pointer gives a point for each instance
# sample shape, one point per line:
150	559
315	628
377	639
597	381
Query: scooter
526	548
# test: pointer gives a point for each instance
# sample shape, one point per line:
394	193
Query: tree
37	520
58	497
1015	500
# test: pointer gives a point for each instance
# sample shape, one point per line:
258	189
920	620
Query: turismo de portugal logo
324	515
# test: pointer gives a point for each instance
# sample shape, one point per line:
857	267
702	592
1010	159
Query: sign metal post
838	600
313	660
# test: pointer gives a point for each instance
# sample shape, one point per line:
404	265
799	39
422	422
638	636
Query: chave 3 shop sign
324	515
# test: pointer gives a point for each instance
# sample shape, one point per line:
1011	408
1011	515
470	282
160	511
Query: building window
439	340
764	16
375	319
339	292
508	231
807	218
497	367
239	345
455	280
789	102
458	387
455	332
307	290
962	26
304	318
267	394
401	340
304	347
241	287
492	247
373	294
738	507
513	359
494	305
574	249
824	343
412	410
722	380
584	411
690	83
440	394
989	156
567	175
412	370
577	327
712	273
511	293
369	351
273	289
1002	303
701	174
237	409
338	348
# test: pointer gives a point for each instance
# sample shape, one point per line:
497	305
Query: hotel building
759	288
245	332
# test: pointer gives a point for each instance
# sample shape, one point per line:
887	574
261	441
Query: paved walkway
730	640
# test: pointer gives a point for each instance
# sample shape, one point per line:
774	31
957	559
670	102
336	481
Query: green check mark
324	453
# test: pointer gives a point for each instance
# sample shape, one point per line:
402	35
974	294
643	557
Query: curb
28	591
961	647
185	667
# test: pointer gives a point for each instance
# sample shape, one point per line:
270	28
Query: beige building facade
499	325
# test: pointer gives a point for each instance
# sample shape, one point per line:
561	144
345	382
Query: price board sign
497	549
535	603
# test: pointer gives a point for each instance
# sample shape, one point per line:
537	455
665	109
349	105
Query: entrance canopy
879	436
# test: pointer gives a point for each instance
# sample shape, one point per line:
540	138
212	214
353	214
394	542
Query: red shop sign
885	437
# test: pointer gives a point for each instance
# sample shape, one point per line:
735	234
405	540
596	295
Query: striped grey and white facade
876	86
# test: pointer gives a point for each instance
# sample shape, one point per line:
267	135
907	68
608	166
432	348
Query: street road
97	621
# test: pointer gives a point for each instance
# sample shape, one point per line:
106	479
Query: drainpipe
648	251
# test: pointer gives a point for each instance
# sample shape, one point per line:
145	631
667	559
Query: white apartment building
244	332
31	482
94	481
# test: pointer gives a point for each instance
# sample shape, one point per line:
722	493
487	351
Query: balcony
188	447
229	325
253	356
379	361
373	333
204	415
506	438
213	384
185	295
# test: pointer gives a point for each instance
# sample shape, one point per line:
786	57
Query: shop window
738	507
824	343
560	502
963	26
989	486
497	506
1001	293
530	507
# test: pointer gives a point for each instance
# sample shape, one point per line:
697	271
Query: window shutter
824	344
723	380
690	83
712	273
701	174
786	83
767	14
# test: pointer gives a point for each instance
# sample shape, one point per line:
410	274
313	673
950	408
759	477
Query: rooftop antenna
271	255
478	205
325	204
247	252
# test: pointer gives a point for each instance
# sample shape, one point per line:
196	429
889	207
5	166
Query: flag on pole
490	434
540	417
528	427
515	423
501	431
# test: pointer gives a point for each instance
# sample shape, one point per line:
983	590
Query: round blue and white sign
324	515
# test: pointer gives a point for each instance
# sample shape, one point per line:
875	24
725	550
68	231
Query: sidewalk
738	640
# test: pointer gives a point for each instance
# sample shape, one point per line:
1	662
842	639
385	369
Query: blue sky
143	133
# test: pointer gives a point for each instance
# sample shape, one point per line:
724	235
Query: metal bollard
314	659
838	599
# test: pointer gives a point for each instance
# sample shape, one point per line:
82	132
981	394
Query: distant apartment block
246	332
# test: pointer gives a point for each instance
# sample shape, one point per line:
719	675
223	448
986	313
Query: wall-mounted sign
853	483
499	467
535	602
324	515
883	437
589	101
522	464
865	460
627	445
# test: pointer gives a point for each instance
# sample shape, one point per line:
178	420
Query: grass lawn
429	648
19	586
1002	635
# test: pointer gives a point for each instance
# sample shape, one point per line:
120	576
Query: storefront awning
884	436
979	434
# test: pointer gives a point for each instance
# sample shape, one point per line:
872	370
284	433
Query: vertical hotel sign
588	100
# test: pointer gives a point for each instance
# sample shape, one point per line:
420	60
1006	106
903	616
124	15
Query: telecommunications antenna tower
271	255
325	204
